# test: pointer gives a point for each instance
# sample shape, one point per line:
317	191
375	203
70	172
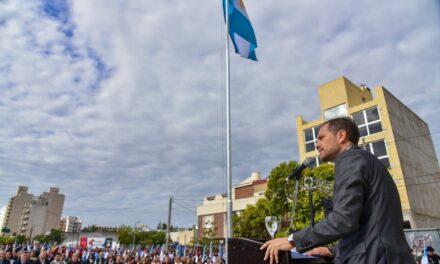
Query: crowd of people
42	254
432	257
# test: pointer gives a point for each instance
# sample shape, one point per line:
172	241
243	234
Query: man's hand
274	246
320	251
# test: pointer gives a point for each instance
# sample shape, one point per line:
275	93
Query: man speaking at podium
366	215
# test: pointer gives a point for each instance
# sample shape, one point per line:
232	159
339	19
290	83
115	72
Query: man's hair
344	123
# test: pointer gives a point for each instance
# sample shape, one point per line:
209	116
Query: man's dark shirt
366	215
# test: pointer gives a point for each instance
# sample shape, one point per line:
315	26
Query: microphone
296	173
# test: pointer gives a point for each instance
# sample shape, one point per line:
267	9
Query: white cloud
128	110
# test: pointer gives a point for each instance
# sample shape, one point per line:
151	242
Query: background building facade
70	224
211	214
14	209
183	237
394	134
31	215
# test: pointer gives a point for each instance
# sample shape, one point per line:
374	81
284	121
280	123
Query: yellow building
394	134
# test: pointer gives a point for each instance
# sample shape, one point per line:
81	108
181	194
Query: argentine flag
425	257
240	29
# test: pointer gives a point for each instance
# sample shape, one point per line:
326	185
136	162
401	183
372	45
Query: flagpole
228	135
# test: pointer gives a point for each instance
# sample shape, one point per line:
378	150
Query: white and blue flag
240	29
425	257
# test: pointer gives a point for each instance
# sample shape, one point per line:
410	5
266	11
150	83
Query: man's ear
342	136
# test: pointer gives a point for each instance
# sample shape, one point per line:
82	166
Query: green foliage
7	240
277	190
57	236
54	236
42	239
20	239
95	228
251	222
302	218
278	202
125	237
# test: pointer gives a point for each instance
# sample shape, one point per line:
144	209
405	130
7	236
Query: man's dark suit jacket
366	215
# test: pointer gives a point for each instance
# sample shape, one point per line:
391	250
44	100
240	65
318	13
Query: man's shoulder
354	155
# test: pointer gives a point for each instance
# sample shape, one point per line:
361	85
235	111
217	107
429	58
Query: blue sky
119	103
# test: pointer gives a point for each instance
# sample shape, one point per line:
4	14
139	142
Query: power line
184	207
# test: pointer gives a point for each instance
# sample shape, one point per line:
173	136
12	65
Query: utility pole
167	244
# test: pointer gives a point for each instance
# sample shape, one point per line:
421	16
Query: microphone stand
295	201
309	183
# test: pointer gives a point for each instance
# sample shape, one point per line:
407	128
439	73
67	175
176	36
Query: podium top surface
244	250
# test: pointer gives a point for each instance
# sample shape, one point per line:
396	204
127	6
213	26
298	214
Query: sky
120	104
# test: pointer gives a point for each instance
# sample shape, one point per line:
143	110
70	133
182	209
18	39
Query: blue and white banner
240	29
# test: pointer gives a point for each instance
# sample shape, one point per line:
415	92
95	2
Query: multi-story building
212	213
14	209
55	204
31	215
394	134
70	224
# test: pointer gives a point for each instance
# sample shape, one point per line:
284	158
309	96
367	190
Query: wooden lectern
247	251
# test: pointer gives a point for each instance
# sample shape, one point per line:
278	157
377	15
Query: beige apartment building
70	224
31	215
14	210
183	237
212	213
394	134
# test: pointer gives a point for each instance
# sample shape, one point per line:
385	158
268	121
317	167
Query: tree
251	222
20	239
162	226
57	236
54	236
125	237
278	202
43	239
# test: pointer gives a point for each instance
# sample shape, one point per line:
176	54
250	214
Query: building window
310	136
379	149
368	121
337	111
316	162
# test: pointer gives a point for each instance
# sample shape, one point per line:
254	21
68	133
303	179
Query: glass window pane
358	118
308	134
337	111
386	162
372	114
363	131
374	128
316	128
379	148
310	146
